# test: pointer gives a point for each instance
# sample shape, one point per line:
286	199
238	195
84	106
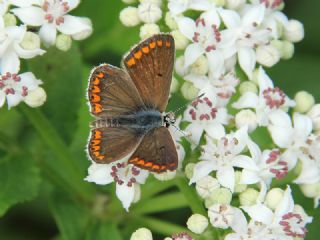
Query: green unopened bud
129	17
238	188
181	42
248	197
165	176
294	31
311	190
9	20
30	41
129	1
142	233
189	91
200	66
255	76
63	42
287	50
246	117
148	30
36	98
189	170
174	85
314	114
206	185
137	193
197	223
304	101
248	86
219	196
170	21
273	198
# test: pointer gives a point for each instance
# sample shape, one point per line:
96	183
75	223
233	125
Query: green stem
64	165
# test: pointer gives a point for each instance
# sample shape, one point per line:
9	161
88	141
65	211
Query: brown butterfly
129	106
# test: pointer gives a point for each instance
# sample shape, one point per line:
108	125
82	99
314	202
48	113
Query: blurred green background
42	157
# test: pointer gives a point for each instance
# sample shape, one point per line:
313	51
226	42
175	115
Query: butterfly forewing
108	144
156	152
150	65
111	92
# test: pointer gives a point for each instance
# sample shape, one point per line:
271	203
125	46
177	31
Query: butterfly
128	104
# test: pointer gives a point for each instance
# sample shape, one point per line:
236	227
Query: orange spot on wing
156	167
168	44
148	164
163	167
100	75
138	54
145	50
159	43
96	81
97	134
95	98
131	62
96	89
95	142
97	108
140	162
95	148
152	45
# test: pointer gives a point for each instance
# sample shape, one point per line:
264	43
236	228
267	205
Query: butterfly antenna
185	105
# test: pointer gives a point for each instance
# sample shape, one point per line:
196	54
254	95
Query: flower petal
216	63
33	16
2	98
193	51
212	17
309	173
187	27
13	100
302	125
196	132
215	130
48	34
27	54
249	177
226	177
73	25
125	194
260	213
245	162
286	204
247	100
254	151
247	60
10	62
200	5
230	18
239	224
72	4
99	173
264	80
201	169
254	15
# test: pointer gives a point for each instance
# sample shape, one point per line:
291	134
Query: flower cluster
223	50
24	25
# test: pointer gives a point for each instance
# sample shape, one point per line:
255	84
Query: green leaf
61	73
104	231
72	218
19	180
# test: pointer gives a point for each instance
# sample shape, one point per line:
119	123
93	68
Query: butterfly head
169	119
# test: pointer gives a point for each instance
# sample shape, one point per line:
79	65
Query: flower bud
9	20
221	215
156	2
179	67
219	196
294	31
137	193
30	41
168	238
218	3
174	85
248	86
170	21
86	32
285	48
239	187
255	76
200	66
189	91
141	234
181	42
165	176
304	101
234	4
148	30
314	114
248	197
149	13
248	118
206	185
129	17
267	55
273	198
129	1
63	42
189	170
197	223
36	98
310	190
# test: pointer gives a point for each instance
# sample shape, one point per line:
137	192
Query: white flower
248	34
206	185
269	165
207	39
52	15
205	116
197	223
15	88
285	222
141	234
11	49
149	13
270	99
299	144
125	175
179	6
223	215
222	88
4	5
221	156
129	17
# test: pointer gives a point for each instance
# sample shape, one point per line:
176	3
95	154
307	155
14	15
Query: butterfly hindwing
156	152
108	144
111	92
150	65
